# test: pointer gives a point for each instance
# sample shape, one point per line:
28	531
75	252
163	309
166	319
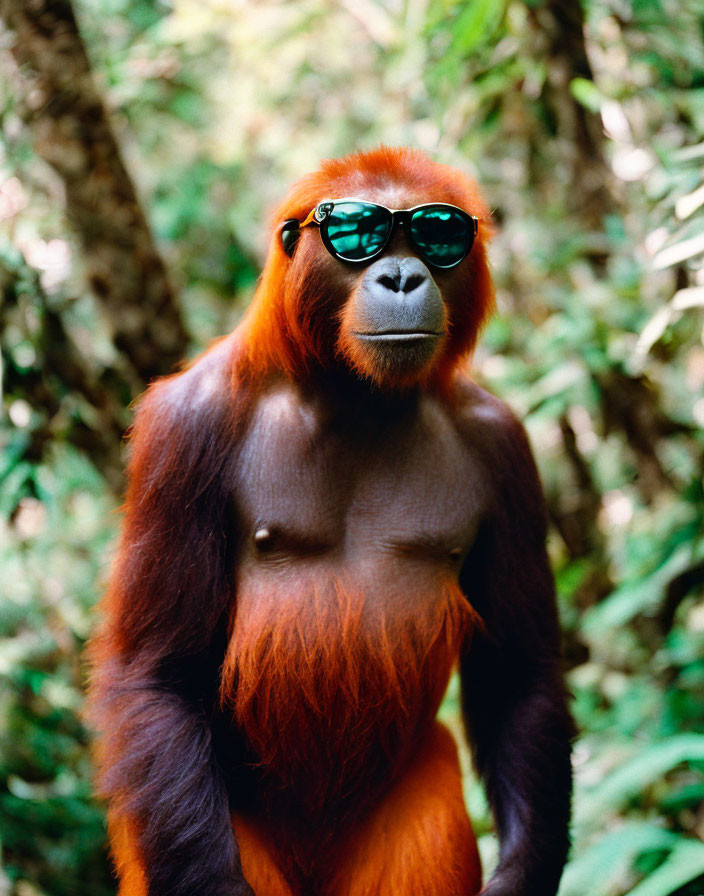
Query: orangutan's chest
305	491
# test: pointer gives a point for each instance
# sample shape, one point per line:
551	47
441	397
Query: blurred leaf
647	767
684	864
637	596
606	863
586	93
679	252
476	23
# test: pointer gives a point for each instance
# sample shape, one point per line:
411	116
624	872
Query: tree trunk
560	24
71	132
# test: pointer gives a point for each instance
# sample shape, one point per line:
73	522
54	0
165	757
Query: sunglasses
357	231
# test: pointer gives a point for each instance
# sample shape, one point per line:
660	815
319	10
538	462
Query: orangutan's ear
290	233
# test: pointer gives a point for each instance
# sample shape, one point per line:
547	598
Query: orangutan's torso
348	616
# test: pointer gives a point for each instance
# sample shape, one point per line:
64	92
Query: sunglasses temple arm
310	218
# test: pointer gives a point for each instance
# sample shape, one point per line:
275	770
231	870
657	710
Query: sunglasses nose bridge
398	242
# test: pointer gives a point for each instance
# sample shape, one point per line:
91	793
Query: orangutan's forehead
391	196
391	190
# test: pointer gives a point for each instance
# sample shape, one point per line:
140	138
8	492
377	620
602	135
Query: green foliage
589	141
684	865
52	547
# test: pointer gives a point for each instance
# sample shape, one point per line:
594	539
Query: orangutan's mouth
399	335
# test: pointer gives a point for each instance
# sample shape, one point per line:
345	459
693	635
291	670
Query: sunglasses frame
320	216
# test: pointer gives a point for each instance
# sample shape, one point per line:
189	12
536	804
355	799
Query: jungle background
143	145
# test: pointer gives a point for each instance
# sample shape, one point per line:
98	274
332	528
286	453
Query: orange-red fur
418	840
325	676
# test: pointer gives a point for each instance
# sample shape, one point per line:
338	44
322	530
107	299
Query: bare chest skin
384	492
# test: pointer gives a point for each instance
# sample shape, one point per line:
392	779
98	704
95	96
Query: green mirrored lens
441	235
357	230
